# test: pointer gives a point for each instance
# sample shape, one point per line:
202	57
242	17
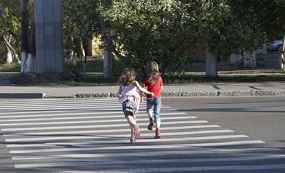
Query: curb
22	95
237	93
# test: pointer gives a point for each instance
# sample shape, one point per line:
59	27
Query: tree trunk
31	60
9	57
107	61
24	58
16	56
107	54
24	35
31	63
282	58
250	59
84	50
10	50
211	64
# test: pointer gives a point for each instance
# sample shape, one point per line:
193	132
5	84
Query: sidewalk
184	90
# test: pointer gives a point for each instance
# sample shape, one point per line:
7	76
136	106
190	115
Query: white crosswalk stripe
92	135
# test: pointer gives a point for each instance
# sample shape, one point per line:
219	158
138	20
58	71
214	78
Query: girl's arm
161	83
141	89
119	93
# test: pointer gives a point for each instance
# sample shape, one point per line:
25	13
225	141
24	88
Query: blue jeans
156	104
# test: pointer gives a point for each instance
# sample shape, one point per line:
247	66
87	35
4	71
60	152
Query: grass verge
94	76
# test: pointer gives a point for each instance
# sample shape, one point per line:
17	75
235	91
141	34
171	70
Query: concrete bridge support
49	42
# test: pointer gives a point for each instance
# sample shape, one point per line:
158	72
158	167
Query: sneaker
157	136
150	125
157	133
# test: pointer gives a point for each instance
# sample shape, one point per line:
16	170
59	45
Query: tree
167	31
170	31
270	16
80	25
232	28
9	32
16	25
24	34
151	30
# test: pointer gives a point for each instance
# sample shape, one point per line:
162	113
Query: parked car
275	45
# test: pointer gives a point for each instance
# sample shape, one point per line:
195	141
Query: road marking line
137	147
102	141
153	161
57	100
37	134
81	117
5	109
107	114
56	106
123	136
60	104
64	101
149	154
190	169
43	113
99	126
112	142
99	108
127	130
106	131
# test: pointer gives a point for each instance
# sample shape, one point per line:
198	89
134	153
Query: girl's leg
136	128
150	113
135	132
150	117
132	139
156	110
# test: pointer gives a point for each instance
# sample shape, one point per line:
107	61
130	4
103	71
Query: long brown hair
128	77
153	72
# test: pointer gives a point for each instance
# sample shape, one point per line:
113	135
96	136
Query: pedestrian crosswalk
92	135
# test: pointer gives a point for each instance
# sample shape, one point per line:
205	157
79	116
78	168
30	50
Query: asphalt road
212	135
258	117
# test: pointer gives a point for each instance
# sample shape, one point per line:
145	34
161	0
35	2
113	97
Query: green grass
11	67
99	79
94	72
186	79
94	65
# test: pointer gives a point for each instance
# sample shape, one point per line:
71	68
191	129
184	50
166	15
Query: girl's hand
119	96
152	94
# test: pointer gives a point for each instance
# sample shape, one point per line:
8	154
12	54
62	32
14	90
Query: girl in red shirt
153	83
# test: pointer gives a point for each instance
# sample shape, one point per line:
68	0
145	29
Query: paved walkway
184	90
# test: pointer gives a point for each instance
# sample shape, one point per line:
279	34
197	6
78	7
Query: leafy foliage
10	17
270	17
151	30
80	22
167	31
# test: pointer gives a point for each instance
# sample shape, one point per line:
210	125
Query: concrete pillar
49	42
